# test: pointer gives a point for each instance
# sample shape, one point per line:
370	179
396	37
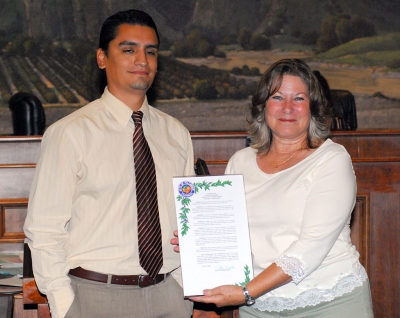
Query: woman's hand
226	295
230	295
175	241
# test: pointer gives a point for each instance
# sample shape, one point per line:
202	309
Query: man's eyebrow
132	43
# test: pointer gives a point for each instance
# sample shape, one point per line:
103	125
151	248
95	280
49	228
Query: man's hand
175	241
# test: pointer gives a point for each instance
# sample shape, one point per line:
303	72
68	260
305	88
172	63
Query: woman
300	191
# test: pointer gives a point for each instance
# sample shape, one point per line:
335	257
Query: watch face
250	302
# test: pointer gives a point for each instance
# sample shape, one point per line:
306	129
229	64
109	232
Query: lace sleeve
292	266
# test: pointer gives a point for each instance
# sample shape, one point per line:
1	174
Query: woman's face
288	110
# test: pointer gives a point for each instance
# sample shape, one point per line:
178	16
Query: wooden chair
32	298
344	110
6	306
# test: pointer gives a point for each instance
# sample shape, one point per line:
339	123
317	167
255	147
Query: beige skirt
357	303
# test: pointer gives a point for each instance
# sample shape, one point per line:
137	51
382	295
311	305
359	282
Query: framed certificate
213	232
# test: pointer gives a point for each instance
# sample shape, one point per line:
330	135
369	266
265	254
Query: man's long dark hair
133	17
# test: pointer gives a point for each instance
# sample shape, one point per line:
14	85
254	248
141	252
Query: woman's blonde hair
319	127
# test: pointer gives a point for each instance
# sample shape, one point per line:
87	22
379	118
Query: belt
140	280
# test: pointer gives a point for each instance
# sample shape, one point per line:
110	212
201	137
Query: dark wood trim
233	134
224	162
24	165
217	162
218	134
376	160
13	201
20	138
369	133
335	133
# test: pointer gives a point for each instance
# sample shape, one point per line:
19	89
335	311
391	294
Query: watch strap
248	299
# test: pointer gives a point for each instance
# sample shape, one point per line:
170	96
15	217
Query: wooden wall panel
385	249
15	181
18	157
20	311
376	217
12	218
19	150
360	229
377	145
375	220
217	147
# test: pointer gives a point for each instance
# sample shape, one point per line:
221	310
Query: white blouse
299	218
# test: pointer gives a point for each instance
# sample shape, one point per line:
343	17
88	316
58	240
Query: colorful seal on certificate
186	189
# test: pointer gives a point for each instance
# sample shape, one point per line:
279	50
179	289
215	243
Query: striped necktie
149	229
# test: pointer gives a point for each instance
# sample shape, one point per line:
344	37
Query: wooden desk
375	221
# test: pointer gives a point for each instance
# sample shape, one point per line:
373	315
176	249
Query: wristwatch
248	299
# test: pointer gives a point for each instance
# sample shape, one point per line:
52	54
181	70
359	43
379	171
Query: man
82	222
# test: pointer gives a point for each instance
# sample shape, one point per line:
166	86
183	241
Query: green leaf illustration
246	276
183	216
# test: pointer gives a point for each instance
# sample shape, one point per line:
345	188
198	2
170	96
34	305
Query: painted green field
360	66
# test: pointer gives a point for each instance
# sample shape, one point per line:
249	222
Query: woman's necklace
286	160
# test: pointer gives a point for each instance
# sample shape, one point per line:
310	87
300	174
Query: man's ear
101	58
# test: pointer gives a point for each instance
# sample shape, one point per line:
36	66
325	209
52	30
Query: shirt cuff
292	267
60	301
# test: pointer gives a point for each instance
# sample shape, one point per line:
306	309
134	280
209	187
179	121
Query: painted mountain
69	19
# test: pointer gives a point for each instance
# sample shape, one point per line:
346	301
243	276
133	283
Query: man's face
131	62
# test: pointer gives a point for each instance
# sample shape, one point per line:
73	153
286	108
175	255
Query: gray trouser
99	300
356	304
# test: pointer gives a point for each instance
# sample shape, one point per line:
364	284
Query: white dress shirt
299	218
82	204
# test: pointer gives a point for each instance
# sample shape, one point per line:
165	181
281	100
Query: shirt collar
121	112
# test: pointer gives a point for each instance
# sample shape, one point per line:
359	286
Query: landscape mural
212	54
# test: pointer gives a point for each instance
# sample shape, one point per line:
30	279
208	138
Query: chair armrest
31	294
